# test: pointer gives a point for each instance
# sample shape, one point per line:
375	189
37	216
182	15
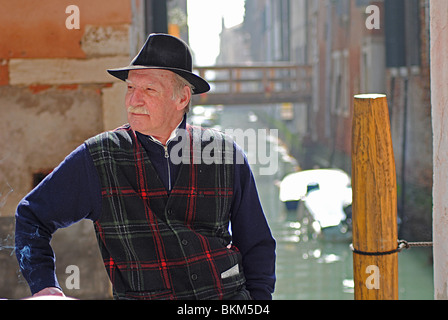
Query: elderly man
162	225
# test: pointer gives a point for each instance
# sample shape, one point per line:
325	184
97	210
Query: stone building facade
354	47
54	94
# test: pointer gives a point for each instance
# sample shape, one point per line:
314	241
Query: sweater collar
174	133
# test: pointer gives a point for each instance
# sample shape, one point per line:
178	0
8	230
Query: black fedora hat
163	51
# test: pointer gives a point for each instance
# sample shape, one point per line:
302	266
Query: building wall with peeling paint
439	97
55	93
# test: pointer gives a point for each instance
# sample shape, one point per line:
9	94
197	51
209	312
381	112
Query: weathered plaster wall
55	93
439	82
37	30
40	130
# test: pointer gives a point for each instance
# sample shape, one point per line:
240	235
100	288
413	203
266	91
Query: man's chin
140	123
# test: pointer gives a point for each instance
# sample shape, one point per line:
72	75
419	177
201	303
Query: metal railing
256	84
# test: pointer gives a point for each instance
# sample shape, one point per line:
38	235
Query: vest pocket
235	270
232	276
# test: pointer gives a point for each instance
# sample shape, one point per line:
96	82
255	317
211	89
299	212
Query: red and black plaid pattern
157	245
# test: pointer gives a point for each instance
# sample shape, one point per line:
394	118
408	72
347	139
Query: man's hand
51	291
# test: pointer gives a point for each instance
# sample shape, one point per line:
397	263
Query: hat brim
200	85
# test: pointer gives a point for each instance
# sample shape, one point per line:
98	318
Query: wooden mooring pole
375	262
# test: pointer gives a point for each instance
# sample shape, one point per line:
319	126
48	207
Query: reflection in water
309	268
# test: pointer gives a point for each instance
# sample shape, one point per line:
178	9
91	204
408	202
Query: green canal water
309	268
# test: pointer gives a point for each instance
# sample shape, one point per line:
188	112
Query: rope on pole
402	245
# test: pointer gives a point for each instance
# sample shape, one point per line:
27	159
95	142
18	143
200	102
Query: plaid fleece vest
157	245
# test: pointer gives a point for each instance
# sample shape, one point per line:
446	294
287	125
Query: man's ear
184	98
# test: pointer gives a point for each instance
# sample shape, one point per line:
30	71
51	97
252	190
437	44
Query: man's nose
136	97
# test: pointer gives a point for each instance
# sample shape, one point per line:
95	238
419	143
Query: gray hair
179	84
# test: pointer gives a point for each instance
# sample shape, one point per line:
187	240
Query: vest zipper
167	157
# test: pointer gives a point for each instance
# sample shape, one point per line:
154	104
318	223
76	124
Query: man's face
152	105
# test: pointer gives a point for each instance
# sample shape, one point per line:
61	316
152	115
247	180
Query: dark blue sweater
72	192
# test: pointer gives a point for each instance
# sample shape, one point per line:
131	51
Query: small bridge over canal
255	84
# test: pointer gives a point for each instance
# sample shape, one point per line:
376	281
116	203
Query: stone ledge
64	71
